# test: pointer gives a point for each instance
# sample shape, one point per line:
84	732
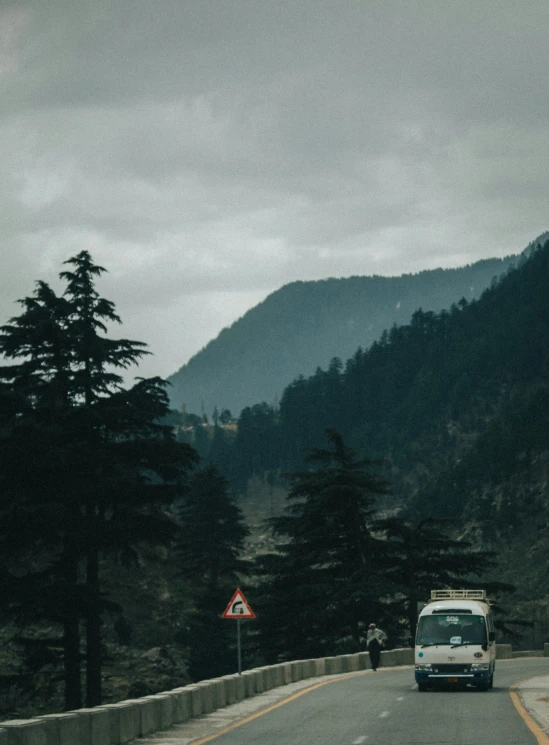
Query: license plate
452	680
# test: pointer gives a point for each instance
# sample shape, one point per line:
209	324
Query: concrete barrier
240	688
94	726
180	708
349	663
218	693
504	651
333	665
230	689
26	732
148	720
62	729
125	722
120	723
320	667
249	679
197	700
287	668
297	670
279	679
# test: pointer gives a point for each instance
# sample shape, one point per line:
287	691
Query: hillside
303	325
456	404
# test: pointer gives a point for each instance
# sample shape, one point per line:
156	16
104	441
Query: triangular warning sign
238	607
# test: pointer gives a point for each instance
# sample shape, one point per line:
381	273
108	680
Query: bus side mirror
492	636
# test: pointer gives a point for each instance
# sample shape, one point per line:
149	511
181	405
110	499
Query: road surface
382	708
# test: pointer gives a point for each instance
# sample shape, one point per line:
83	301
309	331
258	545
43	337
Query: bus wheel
422	687
491	681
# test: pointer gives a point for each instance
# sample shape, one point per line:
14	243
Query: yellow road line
532	725
273	707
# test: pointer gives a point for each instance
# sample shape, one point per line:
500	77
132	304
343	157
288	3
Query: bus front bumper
451	677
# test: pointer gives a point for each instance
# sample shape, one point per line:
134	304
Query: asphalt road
382	708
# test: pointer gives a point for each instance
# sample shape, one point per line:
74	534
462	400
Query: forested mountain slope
304	324
456	403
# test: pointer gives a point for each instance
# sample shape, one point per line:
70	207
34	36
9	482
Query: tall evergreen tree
423	557
322	583
208	549
85	460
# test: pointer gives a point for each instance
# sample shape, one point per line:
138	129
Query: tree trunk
71	662
93	632
71	632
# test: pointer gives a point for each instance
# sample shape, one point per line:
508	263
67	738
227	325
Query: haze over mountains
305	324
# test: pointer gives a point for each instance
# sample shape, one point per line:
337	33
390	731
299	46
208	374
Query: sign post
238	608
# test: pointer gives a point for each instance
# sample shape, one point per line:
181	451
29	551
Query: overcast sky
206	152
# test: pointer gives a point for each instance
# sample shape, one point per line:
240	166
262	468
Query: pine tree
208	550
86	460
322	584
423	557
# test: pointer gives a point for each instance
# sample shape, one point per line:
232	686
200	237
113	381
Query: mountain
303	325
456	403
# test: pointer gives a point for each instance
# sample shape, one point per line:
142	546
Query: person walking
375	639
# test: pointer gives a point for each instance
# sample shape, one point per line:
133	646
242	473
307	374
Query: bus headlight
424	666
480	666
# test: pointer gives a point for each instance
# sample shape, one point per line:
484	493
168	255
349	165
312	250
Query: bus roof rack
458	595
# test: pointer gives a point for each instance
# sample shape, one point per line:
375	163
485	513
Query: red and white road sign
238	607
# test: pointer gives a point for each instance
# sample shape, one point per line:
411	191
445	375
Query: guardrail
117	724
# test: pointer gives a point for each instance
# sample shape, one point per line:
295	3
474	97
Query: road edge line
530	722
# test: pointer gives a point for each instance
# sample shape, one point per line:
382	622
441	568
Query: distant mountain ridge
304	324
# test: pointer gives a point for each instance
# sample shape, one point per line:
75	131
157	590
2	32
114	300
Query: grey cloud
206	152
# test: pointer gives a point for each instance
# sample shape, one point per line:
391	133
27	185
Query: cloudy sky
207	152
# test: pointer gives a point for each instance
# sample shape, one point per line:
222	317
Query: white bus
455	641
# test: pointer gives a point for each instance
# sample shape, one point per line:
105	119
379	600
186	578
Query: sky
207	152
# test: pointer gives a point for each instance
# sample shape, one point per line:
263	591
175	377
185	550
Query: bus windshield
454	628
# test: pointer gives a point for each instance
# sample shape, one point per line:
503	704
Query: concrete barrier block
309	670
240	687
218	693
249	683
148	721
26	732
125	721
320	666
287	667
333	665
388	658
63	729
349	663
258	675
266	672
197	700
94	726
181	704
230	688
180	708
166	710
404	656
363	661
297	670
207	695
278	675
504	651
